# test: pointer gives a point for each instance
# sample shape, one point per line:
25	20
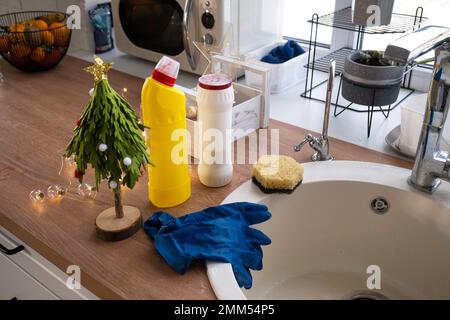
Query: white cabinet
17	284
28	275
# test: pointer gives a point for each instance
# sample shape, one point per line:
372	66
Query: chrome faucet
321	144
431	164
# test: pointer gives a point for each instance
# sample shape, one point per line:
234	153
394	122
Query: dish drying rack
342	19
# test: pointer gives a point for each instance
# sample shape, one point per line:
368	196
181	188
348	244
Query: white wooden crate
251	109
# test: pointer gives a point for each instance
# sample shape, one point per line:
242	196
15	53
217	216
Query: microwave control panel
210	21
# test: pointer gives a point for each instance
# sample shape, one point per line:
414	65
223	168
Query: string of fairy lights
59	191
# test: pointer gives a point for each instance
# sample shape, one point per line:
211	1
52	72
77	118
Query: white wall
7	6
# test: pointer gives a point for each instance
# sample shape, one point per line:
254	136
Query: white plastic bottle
215	99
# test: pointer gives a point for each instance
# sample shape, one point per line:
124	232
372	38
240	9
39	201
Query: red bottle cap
215	82
166	71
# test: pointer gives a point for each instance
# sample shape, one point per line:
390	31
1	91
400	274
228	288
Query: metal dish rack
342	19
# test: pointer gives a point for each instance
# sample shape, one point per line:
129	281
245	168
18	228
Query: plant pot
370	85
362	17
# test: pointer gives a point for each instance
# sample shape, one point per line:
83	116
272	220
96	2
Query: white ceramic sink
325	235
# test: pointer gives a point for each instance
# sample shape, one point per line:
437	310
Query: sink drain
365	295
379	205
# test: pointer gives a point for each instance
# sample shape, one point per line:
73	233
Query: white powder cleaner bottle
215	99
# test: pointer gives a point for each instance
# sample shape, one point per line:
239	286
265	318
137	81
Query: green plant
372	58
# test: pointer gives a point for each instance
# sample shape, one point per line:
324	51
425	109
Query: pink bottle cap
215	81
166	71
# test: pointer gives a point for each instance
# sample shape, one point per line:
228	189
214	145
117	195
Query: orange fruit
47	38
51	58
18	27
38	54
4	43
17	32
60	33
20	49
41	24
55	25
33	36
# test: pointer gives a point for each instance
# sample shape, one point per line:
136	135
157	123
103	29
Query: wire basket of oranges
34	40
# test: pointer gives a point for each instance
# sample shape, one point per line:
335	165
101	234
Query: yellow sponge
277	174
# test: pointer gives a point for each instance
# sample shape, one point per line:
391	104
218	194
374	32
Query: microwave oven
150	29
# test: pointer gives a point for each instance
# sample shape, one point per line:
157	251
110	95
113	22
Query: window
436	10
297	13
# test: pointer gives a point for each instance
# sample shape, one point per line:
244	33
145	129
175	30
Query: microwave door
155	25
186	34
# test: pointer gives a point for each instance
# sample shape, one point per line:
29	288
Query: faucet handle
308	138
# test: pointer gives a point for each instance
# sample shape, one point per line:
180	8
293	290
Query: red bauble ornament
77	174
78	122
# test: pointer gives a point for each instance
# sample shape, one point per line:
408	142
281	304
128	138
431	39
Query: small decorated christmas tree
110	138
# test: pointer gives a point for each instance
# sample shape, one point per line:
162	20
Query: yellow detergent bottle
164	112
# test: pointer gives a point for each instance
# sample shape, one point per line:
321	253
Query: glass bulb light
37	196
56	192
87	191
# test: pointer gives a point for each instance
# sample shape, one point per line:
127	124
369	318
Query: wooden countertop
37	114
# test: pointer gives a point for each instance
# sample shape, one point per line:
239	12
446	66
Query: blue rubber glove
219	233
252	213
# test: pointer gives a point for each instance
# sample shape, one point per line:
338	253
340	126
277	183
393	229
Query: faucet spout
321	144
329	96
415	44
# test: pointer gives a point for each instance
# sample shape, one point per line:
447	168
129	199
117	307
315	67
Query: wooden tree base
110	228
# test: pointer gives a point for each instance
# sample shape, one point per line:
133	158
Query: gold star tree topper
99	69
